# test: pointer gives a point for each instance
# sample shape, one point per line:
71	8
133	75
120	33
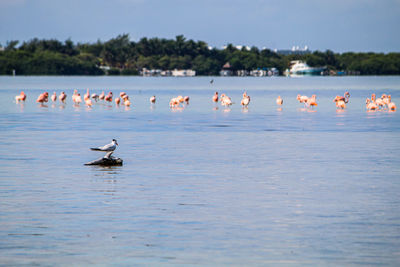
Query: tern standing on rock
109	147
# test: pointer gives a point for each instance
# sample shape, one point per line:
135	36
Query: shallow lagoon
200	186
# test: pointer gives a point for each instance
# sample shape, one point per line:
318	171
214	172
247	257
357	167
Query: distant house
149	73
166	73
259	73
242	73
226	70
273	72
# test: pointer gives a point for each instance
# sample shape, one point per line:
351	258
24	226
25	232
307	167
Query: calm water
200	186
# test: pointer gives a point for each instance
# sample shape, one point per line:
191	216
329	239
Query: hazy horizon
340	26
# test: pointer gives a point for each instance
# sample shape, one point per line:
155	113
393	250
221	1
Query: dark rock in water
107	160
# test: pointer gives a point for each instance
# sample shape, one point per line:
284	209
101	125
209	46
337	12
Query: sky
337	25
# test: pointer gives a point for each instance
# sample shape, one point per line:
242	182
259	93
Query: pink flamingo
77	99
74	95
95	97
225	100
341	101
88	102
279	101
174	102
380	102
302	99
87	95
312	102
109	97
62	97
245	100
215	97
186	99
54	97
102	96
43	97
126	101
370	105
20	97
391	105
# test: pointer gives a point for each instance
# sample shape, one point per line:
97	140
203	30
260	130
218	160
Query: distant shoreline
155	56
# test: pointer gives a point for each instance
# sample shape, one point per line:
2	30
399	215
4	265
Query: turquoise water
203	185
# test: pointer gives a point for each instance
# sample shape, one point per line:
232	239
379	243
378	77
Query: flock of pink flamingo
382	103
372	104
77	99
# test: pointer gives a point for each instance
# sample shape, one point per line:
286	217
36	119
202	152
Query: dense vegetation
52	57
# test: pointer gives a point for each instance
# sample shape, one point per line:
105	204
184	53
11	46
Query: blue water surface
200	185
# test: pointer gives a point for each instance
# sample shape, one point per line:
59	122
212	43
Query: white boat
298	67
183	73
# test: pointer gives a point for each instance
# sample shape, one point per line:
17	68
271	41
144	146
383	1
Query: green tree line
126	57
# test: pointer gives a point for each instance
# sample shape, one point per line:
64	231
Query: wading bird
54	97
215	97
43	97
95	97
109	97
279	101
102	96
312	102
62	97
20	97
245	100
225	100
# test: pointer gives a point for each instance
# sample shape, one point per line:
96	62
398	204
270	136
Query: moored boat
298	67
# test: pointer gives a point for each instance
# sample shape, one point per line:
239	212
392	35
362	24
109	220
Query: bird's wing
109	147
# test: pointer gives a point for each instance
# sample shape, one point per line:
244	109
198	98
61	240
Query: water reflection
340	112
21	106
41	105
177	109
77	107
107	173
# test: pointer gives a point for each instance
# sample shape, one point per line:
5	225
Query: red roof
226	66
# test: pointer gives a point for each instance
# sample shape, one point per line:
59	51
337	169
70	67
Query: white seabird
109	147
